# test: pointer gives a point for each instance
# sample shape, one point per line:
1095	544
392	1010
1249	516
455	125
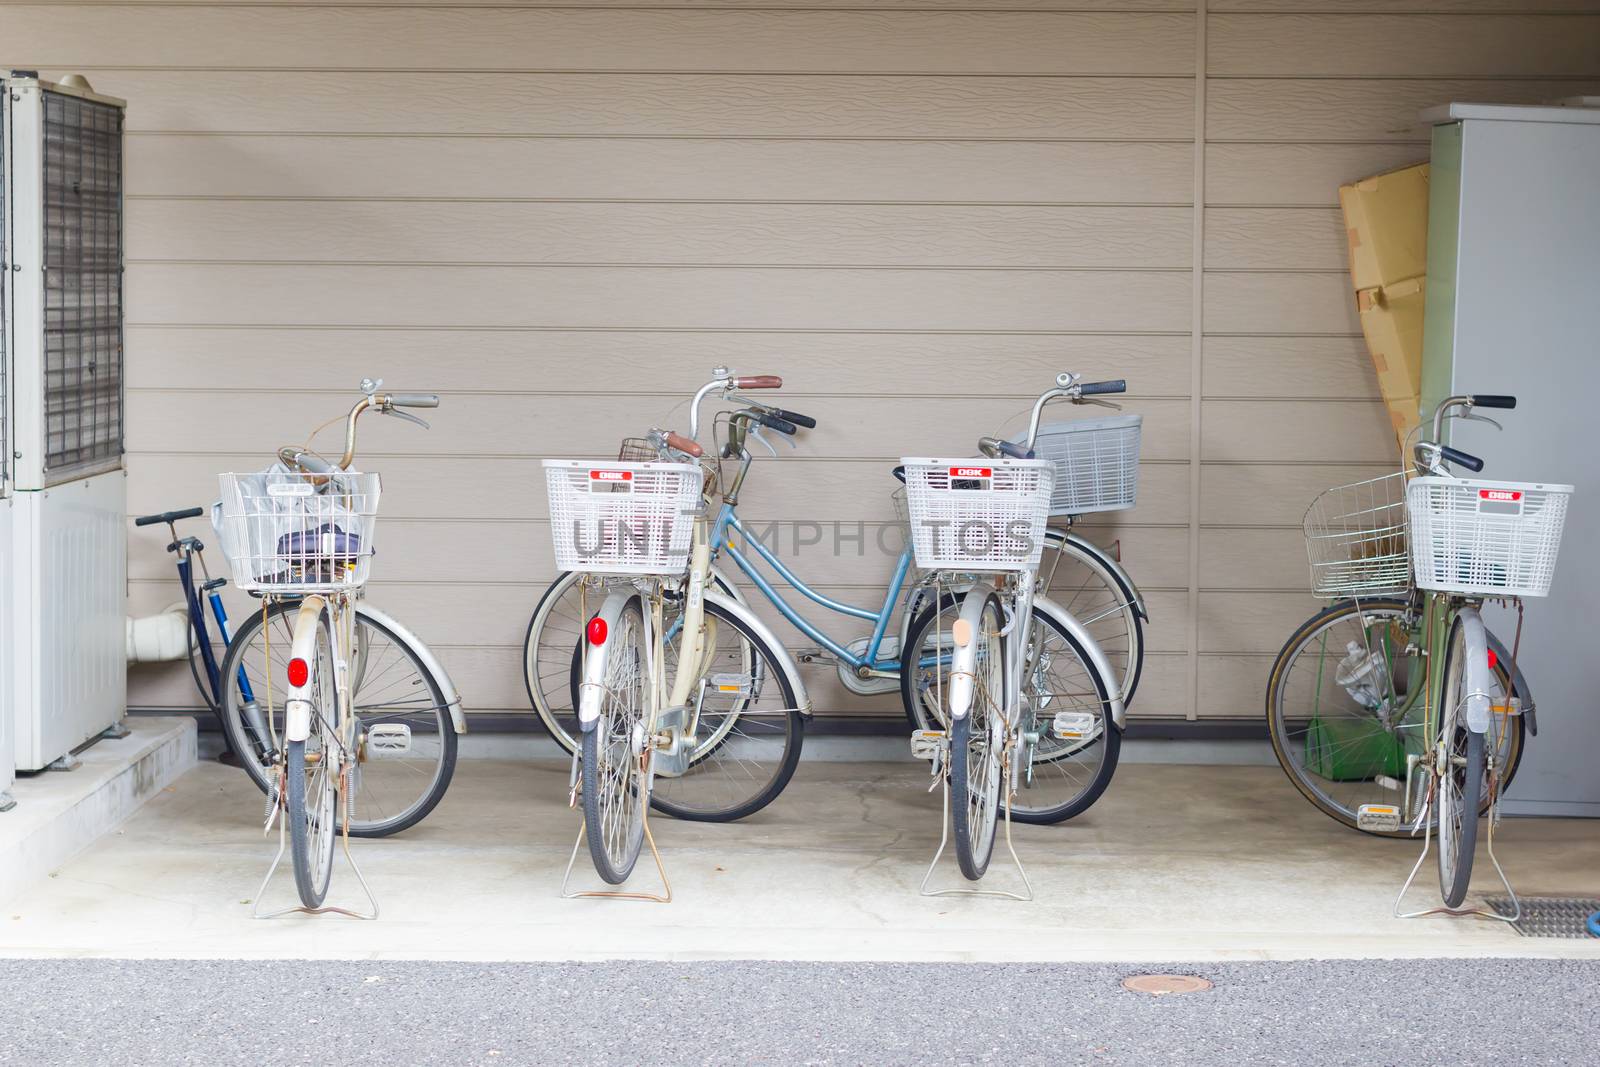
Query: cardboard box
1386	221
1391	320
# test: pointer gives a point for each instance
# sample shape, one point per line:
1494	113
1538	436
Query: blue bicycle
1069	677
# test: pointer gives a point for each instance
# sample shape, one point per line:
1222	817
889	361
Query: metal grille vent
83	287
1565	917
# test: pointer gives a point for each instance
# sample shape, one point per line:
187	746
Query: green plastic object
1350	749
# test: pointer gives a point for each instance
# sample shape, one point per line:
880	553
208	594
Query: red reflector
597	631
1493	659
298	672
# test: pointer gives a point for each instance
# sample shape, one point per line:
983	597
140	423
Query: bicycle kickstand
944	839
281	817
664	897
1427	842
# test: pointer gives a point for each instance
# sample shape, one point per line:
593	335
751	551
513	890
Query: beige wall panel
1235	559
1280	303
1114	109
1272	494
1384	7
962	5
1375	46
680	298
696	234
420	486
1275	239
670	169
1234	687
1295	431
763	42
1256	622
512	425
1297	175
1310	109
1323	367
815	365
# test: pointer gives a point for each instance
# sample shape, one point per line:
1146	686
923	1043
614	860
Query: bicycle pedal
732	684
1075	725
388	739
1378	818
928	744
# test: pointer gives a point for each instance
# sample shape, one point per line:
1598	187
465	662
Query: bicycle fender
1091	648
1113	565
297	701
452	699
1518	682
964	664
780	651
1479	680
592	690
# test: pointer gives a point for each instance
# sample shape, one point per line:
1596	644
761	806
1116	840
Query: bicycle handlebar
414	400
775	422
293	456
757	381
1493	400
1460	458
683	444
169	516
1096	388
795	417
1068	386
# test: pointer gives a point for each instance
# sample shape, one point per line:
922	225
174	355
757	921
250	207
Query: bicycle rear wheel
977	748
1461	784
312	768
391	686
616	782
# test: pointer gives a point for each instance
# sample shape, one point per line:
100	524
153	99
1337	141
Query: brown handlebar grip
758	381
684	445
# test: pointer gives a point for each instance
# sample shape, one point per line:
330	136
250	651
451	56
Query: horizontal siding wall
560	216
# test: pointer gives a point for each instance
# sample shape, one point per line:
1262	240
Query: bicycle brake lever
1096	400
754	430
397	413
1471	416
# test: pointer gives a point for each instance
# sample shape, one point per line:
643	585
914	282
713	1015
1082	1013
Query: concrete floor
1191	863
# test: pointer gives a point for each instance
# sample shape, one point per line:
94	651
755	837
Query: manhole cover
1159	985
1550	916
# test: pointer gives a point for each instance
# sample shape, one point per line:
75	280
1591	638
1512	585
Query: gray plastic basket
1096	461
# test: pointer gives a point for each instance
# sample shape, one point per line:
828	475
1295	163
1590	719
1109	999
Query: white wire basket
622	518
1485	538
1096	461
289	532
1356	539
978	514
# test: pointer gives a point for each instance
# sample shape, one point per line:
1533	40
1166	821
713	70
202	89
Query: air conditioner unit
61	347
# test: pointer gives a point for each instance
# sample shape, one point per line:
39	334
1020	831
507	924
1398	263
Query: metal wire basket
1097	463
290	532
978	515
1356	539
622	518
1486	538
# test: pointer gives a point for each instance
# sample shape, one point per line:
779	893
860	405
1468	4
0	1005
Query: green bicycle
1395	710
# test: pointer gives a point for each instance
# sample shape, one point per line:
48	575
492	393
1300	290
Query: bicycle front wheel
312	768
1461	783
616	782
1079	582
391	688
977	748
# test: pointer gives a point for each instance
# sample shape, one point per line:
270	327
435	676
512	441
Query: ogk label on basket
602	481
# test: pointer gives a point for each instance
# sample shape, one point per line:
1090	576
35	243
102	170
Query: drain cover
1159	985
1550	916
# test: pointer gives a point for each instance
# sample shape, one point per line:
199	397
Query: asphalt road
400	1013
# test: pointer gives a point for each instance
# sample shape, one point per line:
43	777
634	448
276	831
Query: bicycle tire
311	790
1459	830
975	799
607	780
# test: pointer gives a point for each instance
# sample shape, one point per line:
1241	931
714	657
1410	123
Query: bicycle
401	786
300	537
868	665
675	680
1396	711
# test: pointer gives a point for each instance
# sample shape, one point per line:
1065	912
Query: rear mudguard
297	701
1519	683
964	664
1112	564
1479	679
1115	709
592	690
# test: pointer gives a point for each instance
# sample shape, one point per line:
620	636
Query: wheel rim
621	725
322	775
985	739
1453	743
389	686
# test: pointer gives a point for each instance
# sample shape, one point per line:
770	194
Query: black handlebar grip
1493	400
1015	451
1461	459
795	417
414	400
169	516
780	424
1093	388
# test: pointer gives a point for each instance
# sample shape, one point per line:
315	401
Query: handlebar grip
795	417
414	400
1461	459
1015	451
1493	400
780	424
1093	388
169	516
313	464
758	381
684	445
